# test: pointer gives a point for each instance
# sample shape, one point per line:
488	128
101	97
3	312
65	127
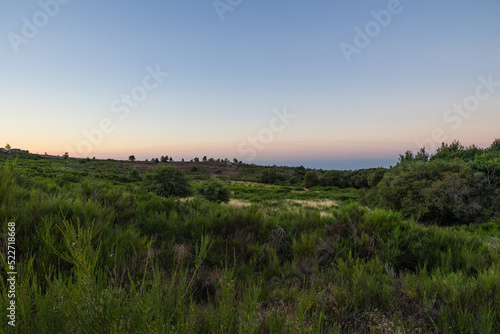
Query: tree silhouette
7	147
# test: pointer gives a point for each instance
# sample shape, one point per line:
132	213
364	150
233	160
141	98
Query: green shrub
134	174
311	179
268	176
167	182
214	191
335	178
440	192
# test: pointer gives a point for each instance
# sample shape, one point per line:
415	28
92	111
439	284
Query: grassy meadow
99	248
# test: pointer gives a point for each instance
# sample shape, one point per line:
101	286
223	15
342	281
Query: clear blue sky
229	79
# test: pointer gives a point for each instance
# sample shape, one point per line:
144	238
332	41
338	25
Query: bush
311	179
167	182
293	180
134	174
214	191
334	178
440	192
268	176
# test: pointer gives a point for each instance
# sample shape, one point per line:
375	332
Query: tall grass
99	257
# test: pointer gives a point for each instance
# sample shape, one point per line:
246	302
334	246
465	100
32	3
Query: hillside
102	248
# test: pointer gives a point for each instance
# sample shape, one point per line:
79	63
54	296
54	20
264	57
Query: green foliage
293	180
456	150
375	176
311	179
167	182
134	174
335	178
268	176
359	179
495	146
6	179
439	192
457	185
96	254
214	190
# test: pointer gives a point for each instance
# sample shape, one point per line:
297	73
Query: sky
325	84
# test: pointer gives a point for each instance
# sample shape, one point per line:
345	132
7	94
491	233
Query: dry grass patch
239	203
253	184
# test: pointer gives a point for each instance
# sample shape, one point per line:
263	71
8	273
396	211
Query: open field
99	252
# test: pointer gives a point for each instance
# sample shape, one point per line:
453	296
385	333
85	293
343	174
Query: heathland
219	246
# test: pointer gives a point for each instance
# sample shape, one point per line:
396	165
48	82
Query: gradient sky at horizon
228	77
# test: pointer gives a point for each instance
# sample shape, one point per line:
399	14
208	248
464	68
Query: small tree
311	179
422	155
268	176
407	157
205	158
336	178
214	191
167	182
131	158
7	147
134	174
495	146
66	155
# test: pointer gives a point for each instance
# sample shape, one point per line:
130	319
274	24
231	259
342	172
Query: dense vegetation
109	247
457	185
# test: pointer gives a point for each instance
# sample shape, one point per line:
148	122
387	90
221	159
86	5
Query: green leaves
214	191
457	185
167	182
